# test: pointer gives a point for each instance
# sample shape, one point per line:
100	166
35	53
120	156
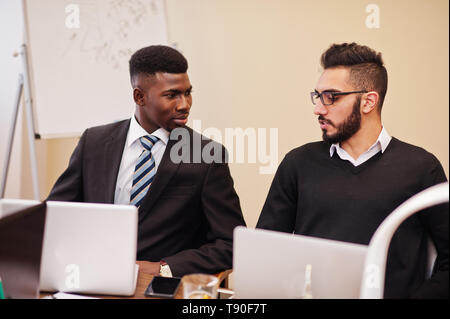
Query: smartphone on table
165	287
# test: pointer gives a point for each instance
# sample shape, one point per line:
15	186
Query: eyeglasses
328	97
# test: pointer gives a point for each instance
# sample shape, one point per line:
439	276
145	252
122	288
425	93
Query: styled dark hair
157	58
367	71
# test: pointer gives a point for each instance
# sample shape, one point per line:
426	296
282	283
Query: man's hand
151	268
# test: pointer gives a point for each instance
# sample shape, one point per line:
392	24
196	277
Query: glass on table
200	286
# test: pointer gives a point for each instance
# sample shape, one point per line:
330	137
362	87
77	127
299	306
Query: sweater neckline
345	164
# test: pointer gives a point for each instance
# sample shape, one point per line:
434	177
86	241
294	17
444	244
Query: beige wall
254	62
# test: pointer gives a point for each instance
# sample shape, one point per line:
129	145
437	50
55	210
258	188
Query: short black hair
367	70
157	58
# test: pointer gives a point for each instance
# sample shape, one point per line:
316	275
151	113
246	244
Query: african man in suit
187	209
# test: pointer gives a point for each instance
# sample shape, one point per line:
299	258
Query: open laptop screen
21	238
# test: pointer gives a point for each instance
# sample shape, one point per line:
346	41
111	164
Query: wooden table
142	282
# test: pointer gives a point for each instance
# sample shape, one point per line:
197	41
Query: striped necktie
144	171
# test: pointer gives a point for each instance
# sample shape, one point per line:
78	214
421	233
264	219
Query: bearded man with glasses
343	187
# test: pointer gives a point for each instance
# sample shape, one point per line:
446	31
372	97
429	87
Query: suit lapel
165	172
112	156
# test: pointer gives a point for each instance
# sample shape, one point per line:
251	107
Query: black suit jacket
186	218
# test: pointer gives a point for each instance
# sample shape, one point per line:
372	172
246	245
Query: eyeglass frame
316	94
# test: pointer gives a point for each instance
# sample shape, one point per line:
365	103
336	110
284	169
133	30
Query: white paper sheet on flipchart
79	53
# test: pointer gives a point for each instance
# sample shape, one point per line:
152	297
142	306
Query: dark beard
348	128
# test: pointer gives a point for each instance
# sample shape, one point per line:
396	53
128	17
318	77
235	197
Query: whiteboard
78	53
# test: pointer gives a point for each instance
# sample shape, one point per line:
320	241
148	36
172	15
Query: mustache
321	118
181	115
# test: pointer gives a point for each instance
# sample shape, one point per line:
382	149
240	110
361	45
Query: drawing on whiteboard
108	27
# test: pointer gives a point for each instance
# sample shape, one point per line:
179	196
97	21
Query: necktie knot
148	141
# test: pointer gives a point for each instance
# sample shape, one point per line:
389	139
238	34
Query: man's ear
369	102
138	96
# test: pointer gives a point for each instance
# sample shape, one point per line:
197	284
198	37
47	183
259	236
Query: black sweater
315	195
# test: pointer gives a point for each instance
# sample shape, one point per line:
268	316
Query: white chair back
375	265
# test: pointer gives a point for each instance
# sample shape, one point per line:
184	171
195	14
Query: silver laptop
269	264
90	248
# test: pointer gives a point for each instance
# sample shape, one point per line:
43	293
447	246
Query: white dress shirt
132	150
380	145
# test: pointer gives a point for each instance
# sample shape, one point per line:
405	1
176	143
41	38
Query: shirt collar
382	141
136	131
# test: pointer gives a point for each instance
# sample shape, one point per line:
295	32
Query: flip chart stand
22	87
